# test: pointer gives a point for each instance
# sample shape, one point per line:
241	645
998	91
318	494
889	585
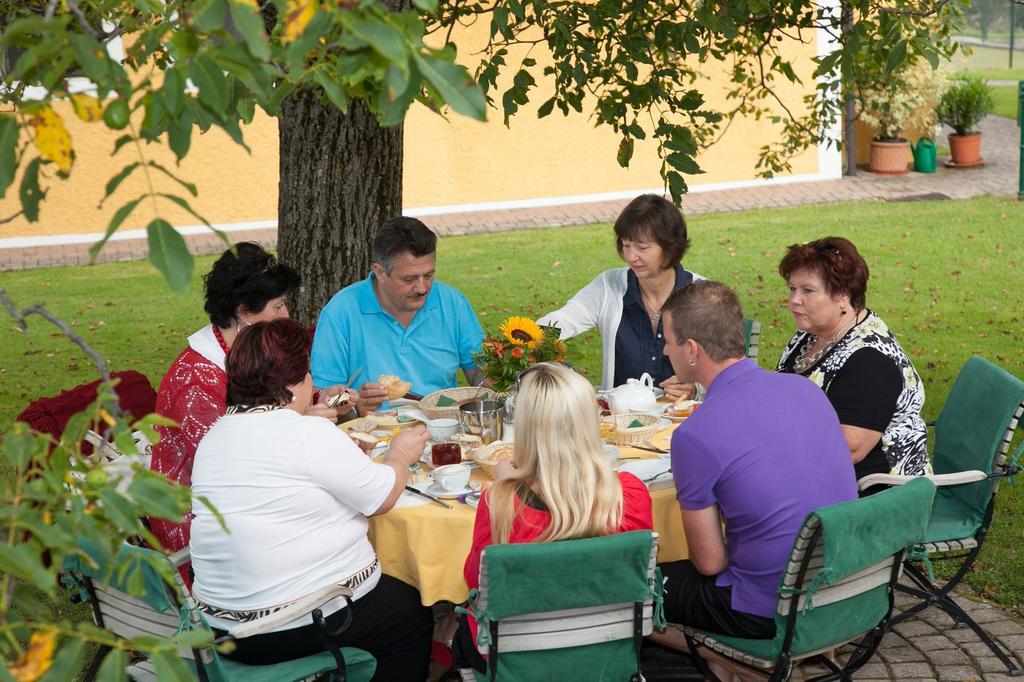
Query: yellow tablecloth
426	545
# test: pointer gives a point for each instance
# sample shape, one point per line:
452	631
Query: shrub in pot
893	103
962	106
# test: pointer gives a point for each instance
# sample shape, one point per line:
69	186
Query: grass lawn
1005	98
990	63
944	276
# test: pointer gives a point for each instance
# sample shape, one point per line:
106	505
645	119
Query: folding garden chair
836	588
149	606
752	336
972	438
569	610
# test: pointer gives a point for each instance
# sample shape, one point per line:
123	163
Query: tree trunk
341	177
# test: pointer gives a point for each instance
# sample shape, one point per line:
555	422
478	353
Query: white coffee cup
442	429
452	477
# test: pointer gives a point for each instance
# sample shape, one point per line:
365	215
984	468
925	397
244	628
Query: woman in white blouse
625	303
295	492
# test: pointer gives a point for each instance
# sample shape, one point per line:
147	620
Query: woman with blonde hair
558	484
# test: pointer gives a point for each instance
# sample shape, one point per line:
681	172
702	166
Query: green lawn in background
1005	98
944	275
990	63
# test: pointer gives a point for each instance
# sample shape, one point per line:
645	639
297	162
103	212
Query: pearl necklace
805	361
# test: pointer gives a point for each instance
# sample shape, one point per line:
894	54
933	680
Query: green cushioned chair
752	336
146	605
836	588
569	610
972	440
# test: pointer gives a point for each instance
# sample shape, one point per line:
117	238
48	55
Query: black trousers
693	599
389	622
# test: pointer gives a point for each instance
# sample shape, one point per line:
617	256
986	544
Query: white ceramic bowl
442	429
612	453
452	477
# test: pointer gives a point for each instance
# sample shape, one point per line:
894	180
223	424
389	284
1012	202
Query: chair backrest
975	427
752	336
570	607
137	600
838	581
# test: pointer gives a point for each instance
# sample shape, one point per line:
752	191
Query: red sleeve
481	539
636	504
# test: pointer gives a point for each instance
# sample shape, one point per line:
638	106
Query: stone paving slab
997	177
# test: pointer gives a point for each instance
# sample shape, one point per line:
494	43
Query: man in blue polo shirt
398	321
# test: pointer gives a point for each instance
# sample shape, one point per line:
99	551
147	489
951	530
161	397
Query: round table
426	545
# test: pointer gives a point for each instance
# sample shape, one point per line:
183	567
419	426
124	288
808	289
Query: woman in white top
625	303
294	492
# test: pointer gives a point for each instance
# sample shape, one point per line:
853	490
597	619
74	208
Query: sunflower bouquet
522	343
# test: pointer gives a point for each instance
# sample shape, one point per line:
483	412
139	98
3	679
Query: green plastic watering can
924	155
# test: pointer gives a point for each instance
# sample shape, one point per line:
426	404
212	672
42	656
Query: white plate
473	500
647	469
437	491
663	422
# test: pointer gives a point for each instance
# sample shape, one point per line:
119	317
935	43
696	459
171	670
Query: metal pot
482	418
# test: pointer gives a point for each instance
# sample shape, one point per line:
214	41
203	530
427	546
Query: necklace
220	340
653	312
806	359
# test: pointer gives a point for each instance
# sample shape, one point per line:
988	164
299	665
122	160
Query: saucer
437	491
473	500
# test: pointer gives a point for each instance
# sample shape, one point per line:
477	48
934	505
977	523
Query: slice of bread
395	387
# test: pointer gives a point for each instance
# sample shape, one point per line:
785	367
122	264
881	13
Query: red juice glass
445	452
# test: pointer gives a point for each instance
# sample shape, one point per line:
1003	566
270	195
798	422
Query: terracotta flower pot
889	158
965	149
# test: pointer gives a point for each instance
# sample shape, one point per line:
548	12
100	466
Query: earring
692	363
294	397
842	311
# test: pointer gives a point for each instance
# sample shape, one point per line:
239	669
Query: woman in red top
558	484
246	285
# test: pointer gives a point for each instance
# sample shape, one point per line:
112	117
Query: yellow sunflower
522	331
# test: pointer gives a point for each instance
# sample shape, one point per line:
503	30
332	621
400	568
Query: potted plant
962	106
892	104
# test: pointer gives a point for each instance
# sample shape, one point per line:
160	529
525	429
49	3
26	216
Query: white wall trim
122	235
419	211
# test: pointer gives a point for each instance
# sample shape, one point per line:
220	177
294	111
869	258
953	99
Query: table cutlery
441	502
353	376
650	448
657	475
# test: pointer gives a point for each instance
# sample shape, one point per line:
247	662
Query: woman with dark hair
625	303
849	352
294	493
246	285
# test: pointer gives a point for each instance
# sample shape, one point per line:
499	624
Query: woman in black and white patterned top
849	352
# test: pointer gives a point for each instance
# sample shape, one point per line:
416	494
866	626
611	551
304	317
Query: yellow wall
448	162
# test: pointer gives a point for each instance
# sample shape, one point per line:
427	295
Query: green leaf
383	38
179	135
249	24
897	56
113	668
187	185
119	217
18	445
170	667
26	562
625	151
454	85
174	91
68	661
157	498
116	181
676	186
332	88
30	192
118	509
427	6
8	152
545	109
213	86
169	255
210	15
185	205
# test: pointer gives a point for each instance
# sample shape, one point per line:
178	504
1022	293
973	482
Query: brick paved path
928	647
997	177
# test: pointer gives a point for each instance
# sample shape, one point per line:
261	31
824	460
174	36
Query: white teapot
636	395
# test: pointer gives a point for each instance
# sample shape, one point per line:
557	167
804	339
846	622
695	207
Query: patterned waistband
351	582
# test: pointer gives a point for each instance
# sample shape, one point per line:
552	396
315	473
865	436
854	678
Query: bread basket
488	456
459	395
624	434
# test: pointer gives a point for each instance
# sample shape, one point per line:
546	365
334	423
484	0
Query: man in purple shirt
762	451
